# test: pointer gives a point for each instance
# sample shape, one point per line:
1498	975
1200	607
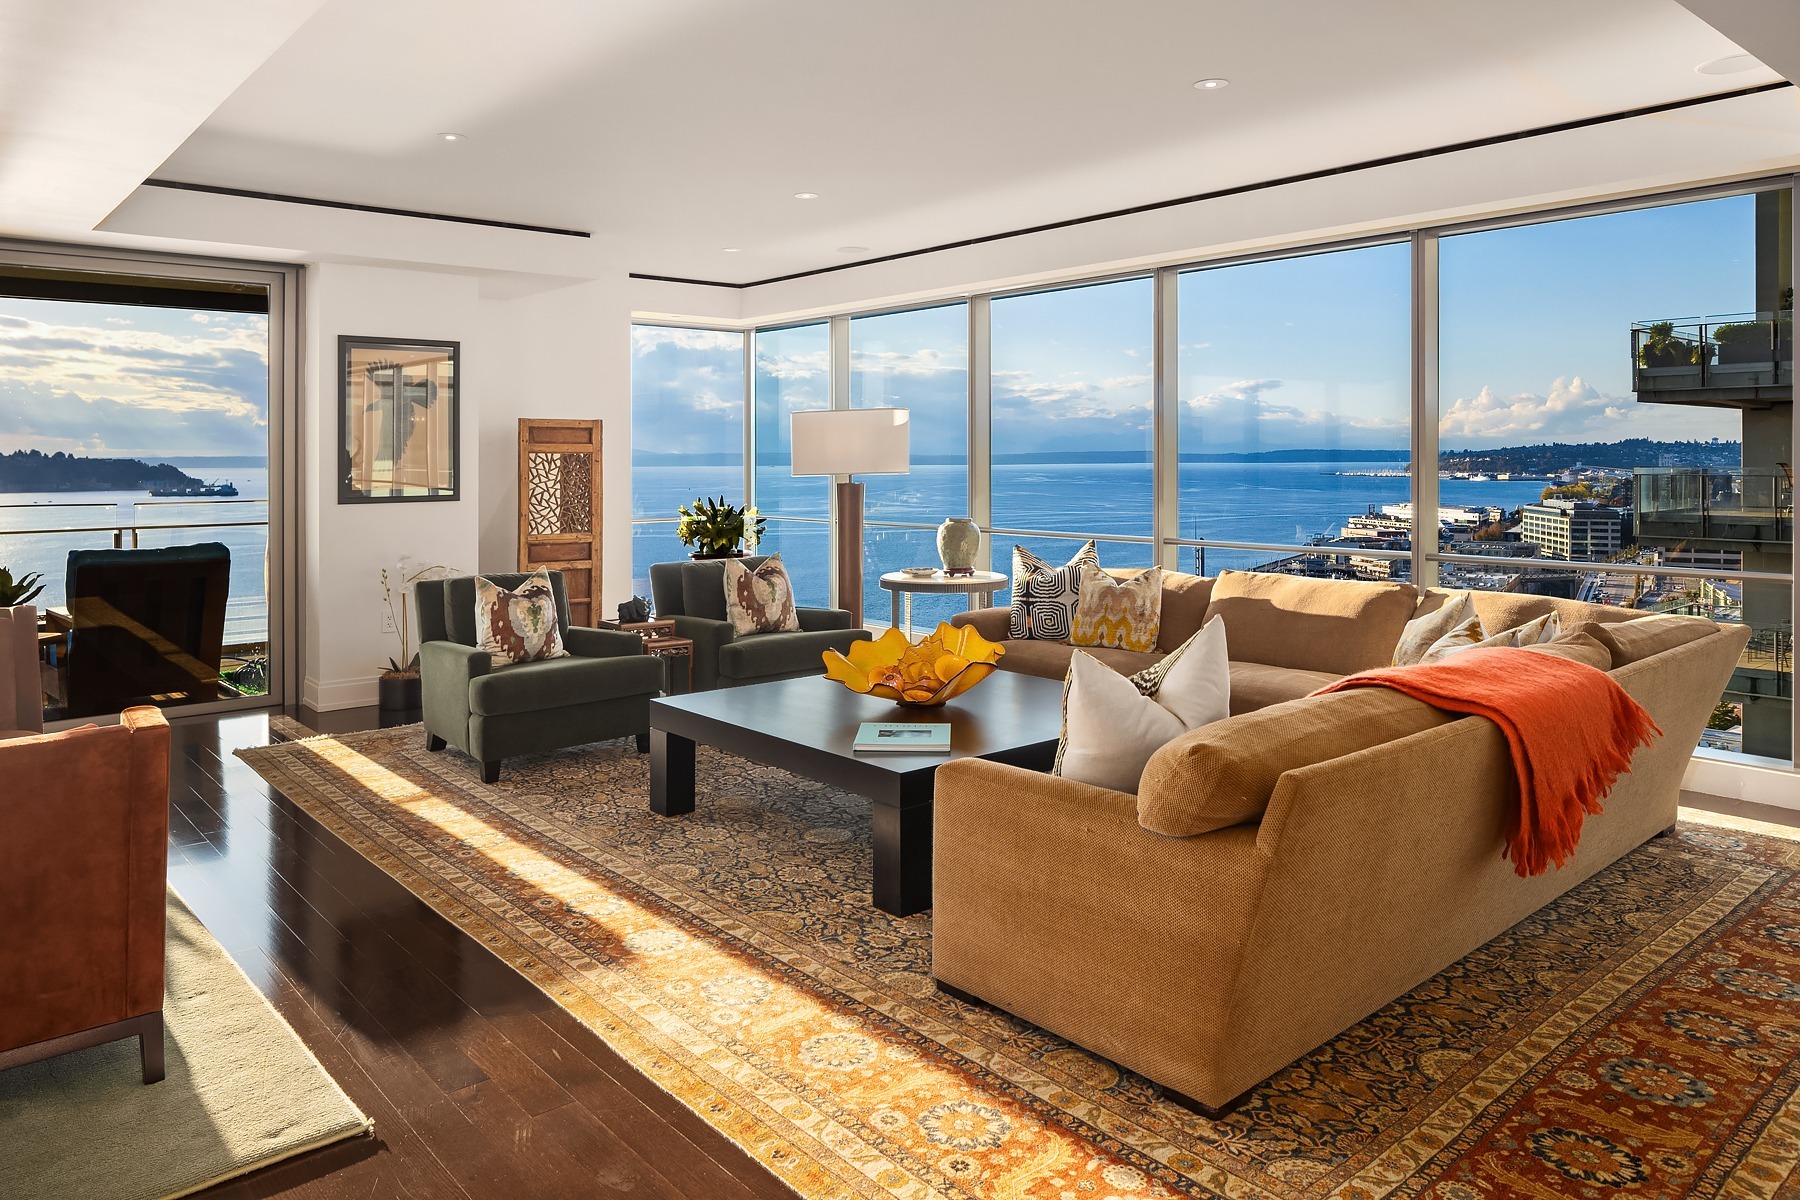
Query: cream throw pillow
760	599
1112	723
518	627
1126	616
1471	634
1422	633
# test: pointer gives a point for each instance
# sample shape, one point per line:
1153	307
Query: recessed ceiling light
731	250
1211	85
852	249
1731	64
806	195
453	137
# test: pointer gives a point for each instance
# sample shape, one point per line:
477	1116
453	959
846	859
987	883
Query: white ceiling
684	126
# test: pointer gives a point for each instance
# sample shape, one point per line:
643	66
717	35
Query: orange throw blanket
1572	731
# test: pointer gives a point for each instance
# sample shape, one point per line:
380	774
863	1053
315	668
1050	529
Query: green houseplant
716	529
398	688
1661	348
19	591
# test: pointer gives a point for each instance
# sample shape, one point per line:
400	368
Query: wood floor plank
480	1086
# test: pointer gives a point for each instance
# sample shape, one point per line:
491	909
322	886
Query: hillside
1548	458
35	471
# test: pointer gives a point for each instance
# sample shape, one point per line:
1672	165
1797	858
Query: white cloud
646	338
1571	409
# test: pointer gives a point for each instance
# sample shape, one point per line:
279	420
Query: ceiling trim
316	202
1498	139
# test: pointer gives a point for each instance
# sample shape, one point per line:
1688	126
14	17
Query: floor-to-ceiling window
793	374
916	360
1294	410
140	478
687	434
1590	415
1073	424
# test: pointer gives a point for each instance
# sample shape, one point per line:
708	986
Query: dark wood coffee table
807	726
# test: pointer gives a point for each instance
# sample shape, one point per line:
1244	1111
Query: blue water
1279	503
34	537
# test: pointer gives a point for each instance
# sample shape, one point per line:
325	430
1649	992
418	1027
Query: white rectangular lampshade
852	441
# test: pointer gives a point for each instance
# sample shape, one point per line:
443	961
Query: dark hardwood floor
478	1084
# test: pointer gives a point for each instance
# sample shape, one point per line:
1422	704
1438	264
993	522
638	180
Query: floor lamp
845	442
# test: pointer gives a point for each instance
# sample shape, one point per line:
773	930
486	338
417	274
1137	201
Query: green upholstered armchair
692	594
602	690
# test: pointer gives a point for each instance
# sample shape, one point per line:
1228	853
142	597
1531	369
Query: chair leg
434	743
490	771
643	742
150	1047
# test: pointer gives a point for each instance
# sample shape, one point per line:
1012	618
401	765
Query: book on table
902	737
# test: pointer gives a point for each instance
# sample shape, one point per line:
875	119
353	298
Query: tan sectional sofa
1283	873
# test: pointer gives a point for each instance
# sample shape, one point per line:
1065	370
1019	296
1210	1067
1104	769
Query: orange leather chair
84	861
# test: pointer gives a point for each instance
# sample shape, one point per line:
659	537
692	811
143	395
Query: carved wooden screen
559	507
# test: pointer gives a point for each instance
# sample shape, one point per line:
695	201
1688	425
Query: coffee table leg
672	774
903	850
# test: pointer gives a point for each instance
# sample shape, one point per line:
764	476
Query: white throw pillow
1423	633
1472	635
1113	723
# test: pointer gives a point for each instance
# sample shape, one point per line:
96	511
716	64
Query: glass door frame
283	284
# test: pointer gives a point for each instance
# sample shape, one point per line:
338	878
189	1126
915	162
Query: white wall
345	546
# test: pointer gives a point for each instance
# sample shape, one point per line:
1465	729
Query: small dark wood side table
660	641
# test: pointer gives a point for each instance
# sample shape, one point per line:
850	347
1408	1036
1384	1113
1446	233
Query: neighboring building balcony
1744	361
1689	504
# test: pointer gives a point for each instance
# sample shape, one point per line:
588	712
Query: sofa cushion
1124	614
1578	647
555	683
1509	610
1184	600
1255	685
760	655
1633	641
1223	774
1112	723
1312	624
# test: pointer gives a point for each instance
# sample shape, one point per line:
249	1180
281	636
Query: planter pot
958	541
399	693
699	556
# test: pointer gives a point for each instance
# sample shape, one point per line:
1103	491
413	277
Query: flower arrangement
941	665
716	529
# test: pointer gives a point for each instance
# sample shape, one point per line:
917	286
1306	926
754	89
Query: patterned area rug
1638	1037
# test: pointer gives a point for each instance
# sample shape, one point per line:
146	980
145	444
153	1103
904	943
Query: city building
1574	529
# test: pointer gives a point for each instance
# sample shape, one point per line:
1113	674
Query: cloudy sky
130	381
1299	353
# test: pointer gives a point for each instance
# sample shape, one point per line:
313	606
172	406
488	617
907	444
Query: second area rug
1640	1034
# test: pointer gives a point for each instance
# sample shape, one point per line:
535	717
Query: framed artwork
398	420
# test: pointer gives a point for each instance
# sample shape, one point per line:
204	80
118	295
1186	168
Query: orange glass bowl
944	663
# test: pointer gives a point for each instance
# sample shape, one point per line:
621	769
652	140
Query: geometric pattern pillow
760	600
1467	634
1421	633
1044	597
517	627
1126	616
1546	628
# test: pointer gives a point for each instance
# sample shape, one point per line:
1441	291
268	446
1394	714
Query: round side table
979	587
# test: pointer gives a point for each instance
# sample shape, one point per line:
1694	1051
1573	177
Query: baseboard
334	694
1763	781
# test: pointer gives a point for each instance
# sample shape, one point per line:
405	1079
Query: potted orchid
398	687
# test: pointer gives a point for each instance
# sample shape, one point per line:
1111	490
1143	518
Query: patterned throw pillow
760	600
1127	615
1044	597
1113	724
1471	635
518	627
1423	633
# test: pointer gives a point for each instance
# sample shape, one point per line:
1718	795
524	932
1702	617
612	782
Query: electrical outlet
387	621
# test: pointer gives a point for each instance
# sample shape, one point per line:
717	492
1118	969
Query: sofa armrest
445	669
1050	901
817	620
602	643
994	624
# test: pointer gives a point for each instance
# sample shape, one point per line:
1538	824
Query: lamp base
850	550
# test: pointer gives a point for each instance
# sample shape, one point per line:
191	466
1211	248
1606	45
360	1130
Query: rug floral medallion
1638	1037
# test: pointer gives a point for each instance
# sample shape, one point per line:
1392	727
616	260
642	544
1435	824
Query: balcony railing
1743	357
1714	505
